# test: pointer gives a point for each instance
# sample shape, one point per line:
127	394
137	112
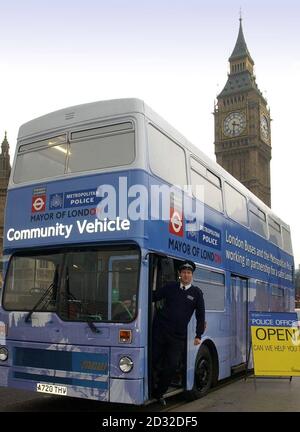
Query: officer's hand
197	341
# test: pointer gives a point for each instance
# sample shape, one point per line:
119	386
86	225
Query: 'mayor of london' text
61	230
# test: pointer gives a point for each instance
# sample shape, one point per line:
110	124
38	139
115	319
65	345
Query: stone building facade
242	125
4	177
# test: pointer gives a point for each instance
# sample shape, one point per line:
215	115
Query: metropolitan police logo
56	201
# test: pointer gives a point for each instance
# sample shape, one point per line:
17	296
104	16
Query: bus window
28	279
257	219
274	232
198	167
277	299
261	302
212	285
101	148
236	205
287	241
94	285
103	130
41	163
210	185
100	284
167	159
123	274
209	192
213	178
46	143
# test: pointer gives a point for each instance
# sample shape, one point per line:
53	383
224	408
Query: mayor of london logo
176	222
38	203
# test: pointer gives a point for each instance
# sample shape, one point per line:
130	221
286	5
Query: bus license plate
51	389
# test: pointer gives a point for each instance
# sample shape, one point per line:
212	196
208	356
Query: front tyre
203	379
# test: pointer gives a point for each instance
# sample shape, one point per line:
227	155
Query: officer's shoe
162	402
159	398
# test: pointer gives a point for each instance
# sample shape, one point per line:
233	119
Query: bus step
238	368
171	392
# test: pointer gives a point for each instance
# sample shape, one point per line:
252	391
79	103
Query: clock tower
242	125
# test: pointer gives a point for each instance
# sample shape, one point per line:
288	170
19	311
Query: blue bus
105	201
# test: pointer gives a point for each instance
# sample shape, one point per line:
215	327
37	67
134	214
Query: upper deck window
41	159
101	130
236	205
206	186
167	159
287	241
257	219
275	232
46	143
104	147
91	149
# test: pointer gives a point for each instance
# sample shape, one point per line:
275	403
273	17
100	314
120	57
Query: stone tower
242	125
4	177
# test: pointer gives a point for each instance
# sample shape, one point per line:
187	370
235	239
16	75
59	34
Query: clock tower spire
242	124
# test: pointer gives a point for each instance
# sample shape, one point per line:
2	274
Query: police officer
180	300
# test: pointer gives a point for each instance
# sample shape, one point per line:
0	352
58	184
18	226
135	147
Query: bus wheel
203	375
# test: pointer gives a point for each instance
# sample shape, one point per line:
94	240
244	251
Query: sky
173	54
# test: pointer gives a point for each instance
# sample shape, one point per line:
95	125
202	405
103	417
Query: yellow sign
275	344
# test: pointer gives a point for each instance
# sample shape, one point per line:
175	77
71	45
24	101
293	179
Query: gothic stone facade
4	177
242	125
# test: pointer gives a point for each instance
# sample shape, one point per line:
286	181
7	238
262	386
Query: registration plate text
51	389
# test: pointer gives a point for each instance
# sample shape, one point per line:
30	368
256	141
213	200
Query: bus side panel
4	370
127	391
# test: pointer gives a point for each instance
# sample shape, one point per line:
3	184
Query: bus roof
91	112
77	114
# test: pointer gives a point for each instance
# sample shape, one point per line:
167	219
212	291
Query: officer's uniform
170	329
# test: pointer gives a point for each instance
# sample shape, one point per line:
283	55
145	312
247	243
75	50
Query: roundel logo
38	203
176	222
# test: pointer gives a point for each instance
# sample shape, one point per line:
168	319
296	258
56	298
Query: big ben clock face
234	124
264	127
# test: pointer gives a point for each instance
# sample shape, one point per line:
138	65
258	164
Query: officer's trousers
167	351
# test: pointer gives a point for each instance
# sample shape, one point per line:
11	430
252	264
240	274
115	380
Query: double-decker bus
98	216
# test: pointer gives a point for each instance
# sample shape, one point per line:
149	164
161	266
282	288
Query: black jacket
177	309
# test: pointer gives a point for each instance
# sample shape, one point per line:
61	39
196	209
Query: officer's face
186	276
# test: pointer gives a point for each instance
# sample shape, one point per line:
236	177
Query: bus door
239	333
162	270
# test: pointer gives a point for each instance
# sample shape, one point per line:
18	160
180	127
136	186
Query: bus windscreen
90	285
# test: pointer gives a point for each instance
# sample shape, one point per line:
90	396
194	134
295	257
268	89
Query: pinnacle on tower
5	146
240	49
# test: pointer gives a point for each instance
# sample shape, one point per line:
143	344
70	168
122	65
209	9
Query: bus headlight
3	353
125	364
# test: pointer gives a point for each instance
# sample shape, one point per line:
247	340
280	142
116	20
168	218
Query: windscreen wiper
93	327
52	289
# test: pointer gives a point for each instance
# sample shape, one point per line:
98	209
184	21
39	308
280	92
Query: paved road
21	401
260	395
263	395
